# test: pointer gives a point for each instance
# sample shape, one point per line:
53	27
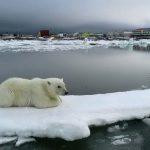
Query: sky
30	16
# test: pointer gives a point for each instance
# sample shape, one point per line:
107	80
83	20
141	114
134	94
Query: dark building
141	33
44	33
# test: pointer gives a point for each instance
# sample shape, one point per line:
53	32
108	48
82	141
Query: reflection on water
87	72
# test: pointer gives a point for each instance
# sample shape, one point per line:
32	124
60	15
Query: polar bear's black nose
66	92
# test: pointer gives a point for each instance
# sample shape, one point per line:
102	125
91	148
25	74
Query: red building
44	33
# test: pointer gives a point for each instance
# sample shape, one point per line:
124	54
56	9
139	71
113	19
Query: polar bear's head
56	86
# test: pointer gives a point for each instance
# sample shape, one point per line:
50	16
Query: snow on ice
73	117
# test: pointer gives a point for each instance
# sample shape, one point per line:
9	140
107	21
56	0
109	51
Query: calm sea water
92	71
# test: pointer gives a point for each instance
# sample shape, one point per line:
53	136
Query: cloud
72	15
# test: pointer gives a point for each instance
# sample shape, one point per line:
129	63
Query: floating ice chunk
116	128
144	87
147	121
22	140
4	140
113	128
120	139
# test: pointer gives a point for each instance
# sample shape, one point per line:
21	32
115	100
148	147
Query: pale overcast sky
73	15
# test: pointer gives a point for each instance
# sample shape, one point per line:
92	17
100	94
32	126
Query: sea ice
42	46
73	117
4	140
120	139
22	140
65	45
117	127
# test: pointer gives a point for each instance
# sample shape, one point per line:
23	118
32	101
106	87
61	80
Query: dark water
84	71
87	72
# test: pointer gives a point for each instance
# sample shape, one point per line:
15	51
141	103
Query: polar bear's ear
48	83
62	79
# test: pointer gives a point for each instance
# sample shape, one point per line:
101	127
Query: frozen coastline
72	119
65	45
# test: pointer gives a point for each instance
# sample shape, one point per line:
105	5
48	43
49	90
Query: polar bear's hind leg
6	97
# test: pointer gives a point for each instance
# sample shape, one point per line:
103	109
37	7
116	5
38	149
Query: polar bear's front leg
45	102
60	100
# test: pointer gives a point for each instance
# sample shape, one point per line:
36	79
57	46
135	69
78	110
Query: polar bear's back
16	83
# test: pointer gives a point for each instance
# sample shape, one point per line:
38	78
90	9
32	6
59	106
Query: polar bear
37	92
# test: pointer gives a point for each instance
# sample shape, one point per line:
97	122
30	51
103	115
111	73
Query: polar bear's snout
63	91
66	92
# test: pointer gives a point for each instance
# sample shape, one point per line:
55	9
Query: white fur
40	93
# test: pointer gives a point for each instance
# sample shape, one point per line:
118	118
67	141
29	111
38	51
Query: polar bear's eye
59	86
48	83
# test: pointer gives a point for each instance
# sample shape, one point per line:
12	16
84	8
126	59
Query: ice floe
120	140
73	117
4	140
147	121
116	128
22	140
